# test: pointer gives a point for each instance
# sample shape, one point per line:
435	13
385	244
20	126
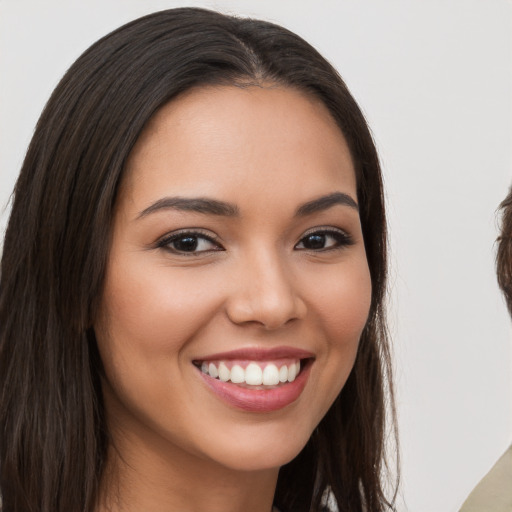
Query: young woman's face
237	257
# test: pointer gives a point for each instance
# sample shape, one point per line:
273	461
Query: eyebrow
326	202
196	204
214	207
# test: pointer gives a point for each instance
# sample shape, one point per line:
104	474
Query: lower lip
259	400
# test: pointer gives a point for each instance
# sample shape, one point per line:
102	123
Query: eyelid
326	230
323	229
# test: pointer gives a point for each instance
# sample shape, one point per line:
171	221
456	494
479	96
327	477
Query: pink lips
260	400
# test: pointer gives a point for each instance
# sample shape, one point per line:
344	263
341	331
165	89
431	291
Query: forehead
253	137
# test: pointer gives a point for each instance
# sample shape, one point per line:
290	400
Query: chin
267	448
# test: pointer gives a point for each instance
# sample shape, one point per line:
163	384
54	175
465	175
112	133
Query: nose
265	293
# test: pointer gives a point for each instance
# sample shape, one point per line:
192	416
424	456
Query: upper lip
259	354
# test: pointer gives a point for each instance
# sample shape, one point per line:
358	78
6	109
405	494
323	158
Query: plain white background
435	81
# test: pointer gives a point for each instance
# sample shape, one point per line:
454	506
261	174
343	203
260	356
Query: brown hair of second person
504	253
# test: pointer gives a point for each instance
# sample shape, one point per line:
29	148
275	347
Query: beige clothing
494	492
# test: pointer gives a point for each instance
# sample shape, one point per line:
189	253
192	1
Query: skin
267	151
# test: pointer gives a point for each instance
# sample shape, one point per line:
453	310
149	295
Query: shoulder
494	492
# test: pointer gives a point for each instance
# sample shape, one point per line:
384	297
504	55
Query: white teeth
224	373
237	374
292	371
253	375
212	370
270	375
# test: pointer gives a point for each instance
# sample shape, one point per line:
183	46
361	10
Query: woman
193	277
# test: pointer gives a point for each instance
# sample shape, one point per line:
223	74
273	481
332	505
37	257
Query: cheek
343	307
156	309
148	319
344	304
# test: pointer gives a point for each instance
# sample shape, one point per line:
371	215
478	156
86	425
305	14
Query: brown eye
324	240
315	241
189	243
186	243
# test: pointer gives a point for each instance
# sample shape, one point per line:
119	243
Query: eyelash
341	239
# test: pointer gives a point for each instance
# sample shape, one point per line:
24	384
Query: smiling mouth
257	380
253	374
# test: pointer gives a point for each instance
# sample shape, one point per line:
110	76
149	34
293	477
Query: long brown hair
53	434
